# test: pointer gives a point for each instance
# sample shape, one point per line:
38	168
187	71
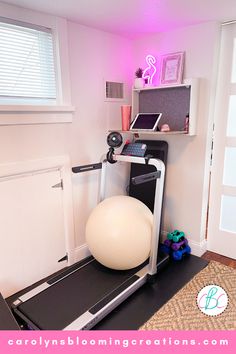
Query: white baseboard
81	252
163	236
197	248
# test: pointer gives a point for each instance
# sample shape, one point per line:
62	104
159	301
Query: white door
32	230
222	206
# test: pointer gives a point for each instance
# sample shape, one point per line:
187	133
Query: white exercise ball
118	232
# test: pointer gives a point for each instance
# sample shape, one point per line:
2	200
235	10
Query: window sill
28	114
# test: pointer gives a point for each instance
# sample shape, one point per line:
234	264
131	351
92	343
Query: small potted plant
139	81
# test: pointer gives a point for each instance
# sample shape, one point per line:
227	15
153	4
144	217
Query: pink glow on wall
150	70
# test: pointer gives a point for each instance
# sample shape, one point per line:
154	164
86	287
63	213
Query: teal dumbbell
176	236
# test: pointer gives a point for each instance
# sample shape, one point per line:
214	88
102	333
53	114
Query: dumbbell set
176	245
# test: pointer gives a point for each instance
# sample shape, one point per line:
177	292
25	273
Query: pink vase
125	116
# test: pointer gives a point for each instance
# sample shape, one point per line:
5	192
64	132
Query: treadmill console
134	149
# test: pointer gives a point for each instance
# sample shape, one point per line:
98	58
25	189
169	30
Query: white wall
188	160
93	56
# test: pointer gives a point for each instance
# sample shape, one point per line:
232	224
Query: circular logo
212	300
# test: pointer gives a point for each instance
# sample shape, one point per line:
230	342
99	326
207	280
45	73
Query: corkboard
172	102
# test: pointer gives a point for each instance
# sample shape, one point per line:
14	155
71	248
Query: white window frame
39	114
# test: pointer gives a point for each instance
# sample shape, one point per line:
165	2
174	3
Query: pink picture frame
172	68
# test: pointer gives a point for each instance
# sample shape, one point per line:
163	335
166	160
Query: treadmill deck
70	295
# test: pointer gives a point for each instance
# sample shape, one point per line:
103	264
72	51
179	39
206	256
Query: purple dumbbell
167	243
176	246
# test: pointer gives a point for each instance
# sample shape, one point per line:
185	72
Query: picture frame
172	68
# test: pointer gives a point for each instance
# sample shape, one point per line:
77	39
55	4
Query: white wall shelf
175	102
146	88
141	132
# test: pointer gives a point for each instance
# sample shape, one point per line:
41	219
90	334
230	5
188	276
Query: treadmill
79	297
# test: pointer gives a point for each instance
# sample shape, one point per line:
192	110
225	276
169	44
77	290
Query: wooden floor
210	256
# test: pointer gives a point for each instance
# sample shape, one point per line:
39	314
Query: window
27	73
34	68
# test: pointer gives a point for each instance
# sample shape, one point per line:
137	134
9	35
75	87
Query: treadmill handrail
86	168
147	177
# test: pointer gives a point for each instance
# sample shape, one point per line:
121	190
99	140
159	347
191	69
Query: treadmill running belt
63	302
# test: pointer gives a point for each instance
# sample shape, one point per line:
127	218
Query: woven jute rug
181	312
